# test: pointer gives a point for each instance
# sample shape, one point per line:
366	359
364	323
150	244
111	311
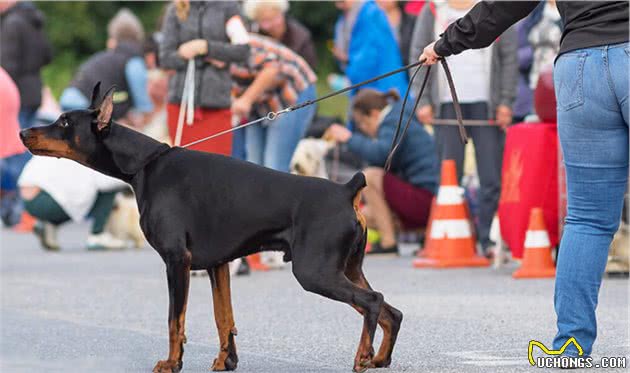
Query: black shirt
586	24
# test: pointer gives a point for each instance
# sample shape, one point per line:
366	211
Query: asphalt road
78	311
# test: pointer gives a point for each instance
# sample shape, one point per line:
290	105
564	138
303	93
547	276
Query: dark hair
370	99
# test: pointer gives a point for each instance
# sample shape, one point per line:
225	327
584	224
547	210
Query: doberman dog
201	210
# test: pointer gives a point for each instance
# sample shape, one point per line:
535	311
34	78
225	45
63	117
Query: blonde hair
182	8
125	26
251	7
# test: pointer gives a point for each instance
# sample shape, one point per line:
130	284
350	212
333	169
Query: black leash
398	137
396	141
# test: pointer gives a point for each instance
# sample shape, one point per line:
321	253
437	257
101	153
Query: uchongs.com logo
555	359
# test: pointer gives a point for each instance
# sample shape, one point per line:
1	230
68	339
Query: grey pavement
78	311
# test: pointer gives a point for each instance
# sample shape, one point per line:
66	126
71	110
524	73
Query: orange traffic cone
26	224
537	261
450	239
255	263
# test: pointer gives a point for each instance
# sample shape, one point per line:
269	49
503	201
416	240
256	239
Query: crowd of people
213	65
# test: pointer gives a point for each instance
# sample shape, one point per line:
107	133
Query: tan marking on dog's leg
365	351
224	318
357	210
386	321
179	280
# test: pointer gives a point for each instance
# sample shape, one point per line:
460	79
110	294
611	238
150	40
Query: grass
335	106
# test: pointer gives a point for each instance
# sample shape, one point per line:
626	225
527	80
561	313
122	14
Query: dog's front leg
178	274
224	318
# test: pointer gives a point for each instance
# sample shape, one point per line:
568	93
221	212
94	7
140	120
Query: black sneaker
378	249
488	249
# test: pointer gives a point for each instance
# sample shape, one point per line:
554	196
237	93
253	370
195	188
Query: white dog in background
124	221
308	158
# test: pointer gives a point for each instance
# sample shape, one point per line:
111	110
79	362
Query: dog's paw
225	364
227	359
167	366
381	363
363	365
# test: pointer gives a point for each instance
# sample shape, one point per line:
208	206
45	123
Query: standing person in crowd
270	19
13	155
591	77
24	51
365	45
523	104
406	190
213	35
402	24
121	64
273	78
486	87
56	191
157	87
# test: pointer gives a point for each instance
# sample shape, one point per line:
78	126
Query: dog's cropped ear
105	110
95	93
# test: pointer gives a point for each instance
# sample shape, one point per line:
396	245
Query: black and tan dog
200	211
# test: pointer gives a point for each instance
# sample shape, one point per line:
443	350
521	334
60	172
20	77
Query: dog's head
308	159
91	138
75	134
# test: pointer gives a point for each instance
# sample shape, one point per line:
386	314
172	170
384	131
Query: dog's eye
63	123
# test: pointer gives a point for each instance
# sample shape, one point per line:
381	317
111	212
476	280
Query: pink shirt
10	143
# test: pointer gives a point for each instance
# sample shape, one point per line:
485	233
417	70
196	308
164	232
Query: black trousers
489	141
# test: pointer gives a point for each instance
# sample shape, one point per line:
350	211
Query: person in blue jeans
591	84
273	78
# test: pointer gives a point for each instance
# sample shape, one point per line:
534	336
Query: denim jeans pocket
568	80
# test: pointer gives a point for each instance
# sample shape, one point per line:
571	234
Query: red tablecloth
529	179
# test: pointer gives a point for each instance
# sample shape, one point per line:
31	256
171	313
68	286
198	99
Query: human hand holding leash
428	55
193	48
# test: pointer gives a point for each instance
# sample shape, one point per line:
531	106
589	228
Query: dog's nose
23	134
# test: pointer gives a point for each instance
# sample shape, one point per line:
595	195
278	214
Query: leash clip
272	115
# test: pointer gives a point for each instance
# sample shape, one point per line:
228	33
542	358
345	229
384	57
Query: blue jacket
373	51
415	160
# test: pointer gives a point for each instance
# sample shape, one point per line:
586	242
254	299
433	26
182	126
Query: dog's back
229	208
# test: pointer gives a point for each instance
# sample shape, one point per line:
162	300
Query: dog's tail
354	186
356	183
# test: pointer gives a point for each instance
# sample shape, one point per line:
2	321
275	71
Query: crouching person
56	191
406	190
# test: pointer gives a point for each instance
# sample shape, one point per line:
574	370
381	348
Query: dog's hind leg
332	283
224	318
389	318
178	275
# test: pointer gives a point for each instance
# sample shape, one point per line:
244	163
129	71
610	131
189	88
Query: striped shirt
294	77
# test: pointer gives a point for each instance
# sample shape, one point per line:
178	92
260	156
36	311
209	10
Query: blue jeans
271	144
592	92
10	204
72	99
238	145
